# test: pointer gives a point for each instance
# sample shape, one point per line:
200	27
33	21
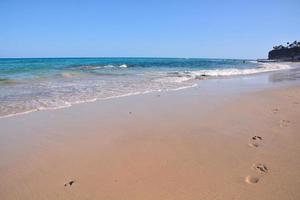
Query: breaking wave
91	67
178	77
265	67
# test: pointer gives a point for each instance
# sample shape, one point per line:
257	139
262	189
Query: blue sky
157	28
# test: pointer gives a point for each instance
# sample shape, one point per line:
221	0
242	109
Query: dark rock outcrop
285	54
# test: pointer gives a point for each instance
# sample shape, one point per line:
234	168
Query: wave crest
93	67
177	76
265	67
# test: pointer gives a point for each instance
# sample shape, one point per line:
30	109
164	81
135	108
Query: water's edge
41	84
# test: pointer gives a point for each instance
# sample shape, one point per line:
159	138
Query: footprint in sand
251	179
275	110
255	141
261	168
284	123
70	183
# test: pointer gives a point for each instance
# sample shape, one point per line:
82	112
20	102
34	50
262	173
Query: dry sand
175	145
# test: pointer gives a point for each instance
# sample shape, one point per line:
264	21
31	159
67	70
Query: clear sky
151	28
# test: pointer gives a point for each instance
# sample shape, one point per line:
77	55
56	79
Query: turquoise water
28	85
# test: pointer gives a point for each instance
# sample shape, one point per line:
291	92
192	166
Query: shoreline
95	100
197	82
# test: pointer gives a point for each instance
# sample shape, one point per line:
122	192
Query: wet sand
187	144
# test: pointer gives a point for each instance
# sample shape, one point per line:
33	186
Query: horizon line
167	57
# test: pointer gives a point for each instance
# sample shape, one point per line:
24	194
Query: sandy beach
149	100
186	144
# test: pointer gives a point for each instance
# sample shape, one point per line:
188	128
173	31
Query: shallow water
28	85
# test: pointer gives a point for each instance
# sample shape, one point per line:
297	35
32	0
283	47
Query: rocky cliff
285	54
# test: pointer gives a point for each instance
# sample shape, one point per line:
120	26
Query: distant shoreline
276	61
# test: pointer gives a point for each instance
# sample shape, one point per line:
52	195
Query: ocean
34	84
